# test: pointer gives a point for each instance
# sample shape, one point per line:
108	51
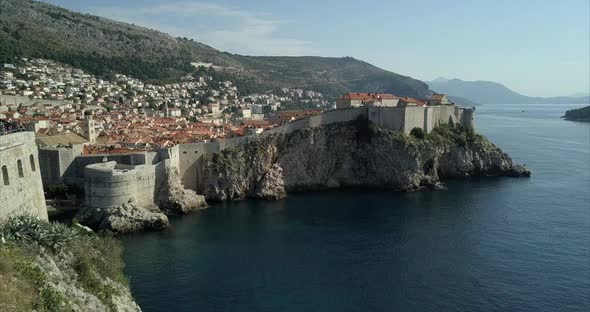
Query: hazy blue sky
535	47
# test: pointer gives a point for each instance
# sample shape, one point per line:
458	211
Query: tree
418	133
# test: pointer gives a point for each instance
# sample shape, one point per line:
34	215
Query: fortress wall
414	118
20	193
145	184
109	184
445	115
171	153
56	161
189	159
75	173
234	142
336	116
26	101
103	187
326	118
467	117
387	117
290	127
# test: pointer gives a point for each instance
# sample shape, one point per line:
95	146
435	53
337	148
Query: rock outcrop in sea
171	198
353	154
125	218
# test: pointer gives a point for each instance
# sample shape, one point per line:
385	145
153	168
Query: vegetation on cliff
54	267
579	114
102	47
351	154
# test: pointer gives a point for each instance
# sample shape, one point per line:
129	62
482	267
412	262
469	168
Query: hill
580	114
488	92
103	46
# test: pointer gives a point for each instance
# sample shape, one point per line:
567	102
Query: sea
484	244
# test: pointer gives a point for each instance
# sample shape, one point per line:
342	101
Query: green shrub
30	229
365	130
454	134
51	300
418	133
94	258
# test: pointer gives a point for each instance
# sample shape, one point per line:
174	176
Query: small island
579	114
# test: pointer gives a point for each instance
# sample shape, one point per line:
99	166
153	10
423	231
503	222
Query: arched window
32	158
5	175
19	164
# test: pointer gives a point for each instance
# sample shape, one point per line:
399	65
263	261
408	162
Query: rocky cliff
354	154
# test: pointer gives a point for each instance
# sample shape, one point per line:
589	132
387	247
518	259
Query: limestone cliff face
173	198
353	154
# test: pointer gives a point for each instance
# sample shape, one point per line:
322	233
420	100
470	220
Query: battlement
109	184
135	176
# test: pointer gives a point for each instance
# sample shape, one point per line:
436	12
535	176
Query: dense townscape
50	98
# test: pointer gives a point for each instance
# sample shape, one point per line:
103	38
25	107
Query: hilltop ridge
103	46
489	92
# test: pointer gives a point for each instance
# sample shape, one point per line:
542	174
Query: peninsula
579	114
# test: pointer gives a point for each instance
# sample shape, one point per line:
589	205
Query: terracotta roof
368	96
62	139
437	97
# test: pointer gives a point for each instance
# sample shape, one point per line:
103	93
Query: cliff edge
351	154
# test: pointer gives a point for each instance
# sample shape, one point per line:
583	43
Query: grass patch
25	287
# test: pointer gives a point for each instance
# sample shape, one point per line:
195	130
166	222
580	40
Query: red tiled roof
368	96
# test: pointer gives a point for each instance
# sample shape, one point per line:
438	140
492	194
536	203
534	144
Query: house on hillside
409	101
438	99
350	100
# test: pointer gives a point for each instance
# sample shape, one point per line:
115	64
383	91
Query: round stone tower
467	118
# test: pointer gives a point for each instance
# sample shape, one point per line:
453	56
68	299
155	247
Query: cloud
225	28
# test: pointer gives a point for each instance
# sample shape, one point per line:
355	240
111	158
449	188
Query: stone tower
88	127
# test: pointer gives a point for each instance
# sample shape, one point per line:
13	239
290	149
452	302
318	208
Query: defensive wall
21	190
109	184
395	118
26	101
111	180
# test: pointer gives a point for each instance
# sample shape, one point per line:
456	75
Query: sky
535	47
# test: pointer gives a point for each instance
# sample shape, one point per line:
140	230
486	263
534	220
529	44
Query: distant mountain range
102	46
488	92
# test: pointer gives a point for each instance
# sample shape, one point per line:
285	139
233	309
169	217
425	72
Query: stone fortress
21	190
144	177
111	180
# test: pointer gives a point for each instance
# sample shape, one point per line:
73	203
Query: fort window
19	164
5	175
32	158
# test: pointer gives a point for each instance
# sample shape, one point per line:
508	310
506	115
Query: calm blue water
492	244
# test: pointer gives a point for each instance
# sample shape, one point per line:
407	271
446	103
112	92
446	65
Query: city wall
394	118
111	180
109	184
26	101
21	189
